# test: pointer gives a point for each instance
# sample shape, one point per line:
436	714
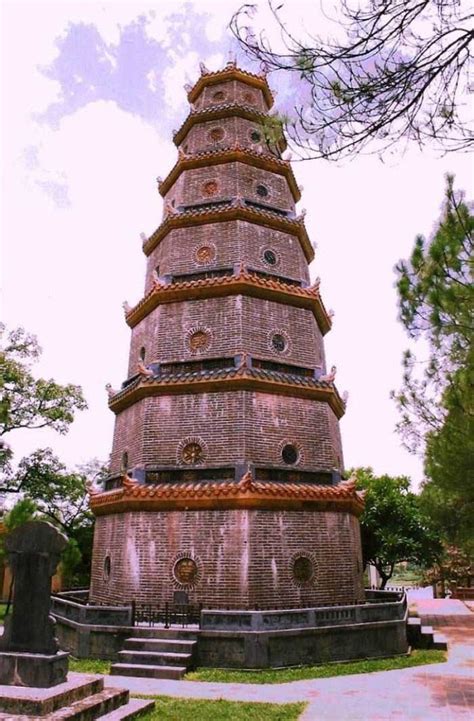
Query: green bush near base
284	675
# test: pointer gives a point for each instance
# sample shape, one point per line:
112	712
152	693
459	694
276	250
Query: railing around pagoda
166	614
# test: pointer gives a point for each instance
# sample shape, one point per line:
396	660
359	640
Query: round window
289	454
199	340
262	191
185	571
192	453
303	570
218	95
269	256
216	134
278	342
205	254
255	136
249	98
210	188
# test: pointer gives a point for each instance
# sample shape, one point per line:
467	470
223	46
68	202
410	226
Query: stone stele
29	653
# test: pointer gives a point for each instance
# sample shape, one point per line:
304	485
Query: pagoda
226	476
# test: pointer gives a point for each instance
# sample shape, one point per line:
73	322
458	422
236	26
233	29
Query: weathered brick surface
244	557
230	91
236	323
236	131
233	242
233	427
228	180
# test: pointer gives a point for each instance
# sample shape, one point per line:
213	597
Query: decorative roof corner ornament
246	482
169	208
300	218
92	489
143	237
159	180
188	87
129	483
329	377
301	188
238	201
231	62
316	284
345	397
243	360
110	391
203	69
331	313
181	154
143	370
155	278
126	307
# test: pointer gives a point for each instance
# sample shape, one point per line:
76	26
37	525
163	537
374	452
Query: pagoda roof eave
246	494
244	283
231	212
230	155
239	379
225	110
231	73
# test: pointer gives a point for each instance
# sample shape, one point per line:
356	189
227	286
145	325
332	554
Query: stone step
148	671
166	633
159	644
20	700
133	709
440	642
155	659
92	707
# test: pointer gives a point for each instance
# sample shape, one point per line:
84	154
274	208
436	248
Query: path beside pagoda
437	692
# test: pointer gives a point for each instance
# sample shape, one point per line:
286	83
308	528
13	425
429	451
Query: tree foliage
28	402
399	72
393	526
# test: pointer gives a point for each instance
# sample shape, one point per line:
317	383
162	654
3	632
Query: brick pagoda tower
225	477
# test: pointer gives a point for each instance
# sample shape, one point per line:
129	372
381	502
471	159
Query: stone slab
33	669
42	701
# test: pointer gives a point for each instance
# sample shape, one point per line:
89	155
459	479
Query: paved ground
439	692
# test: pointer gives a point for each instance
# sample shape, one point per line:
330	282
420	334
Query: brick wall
236	131
228	180
235	323
244	557
233	242
232	427
230	91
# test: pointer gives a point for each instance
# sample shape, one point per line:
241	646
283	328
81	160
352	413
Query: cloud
132	71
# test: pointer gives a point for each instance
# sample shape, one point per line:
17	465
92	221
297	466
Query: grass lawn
417	658
3	608
89	665
180	709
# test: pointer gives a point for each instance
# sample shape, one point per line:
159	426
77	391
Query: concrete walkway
438	692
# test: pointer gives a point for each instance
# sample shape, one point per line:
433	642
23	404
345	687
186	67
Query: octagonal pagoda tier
227	451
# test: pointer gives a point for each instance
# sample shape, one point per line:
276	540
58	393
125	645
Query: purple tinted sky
89	100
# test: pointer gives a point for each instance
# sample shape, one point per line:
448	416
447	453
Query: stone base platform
35	670
80	698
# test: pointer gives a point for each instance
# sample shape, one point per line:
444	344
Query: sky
91	93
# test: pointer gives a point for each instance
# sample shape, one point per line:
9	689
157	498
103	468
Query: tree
436	300
393	527
400	72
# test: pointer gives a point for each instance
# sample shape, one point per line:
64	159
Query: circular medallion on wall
216	134
290	453
191	451
205	253
255	136
262	191
269	256
186	570
279	341
198	339
210	188
249	98
303	568
218	96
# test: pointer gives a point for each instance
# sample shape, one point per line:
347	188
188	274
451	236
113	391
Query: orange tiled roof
224	380
244	283
231	211
237	153
247	493
231	72
223	110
